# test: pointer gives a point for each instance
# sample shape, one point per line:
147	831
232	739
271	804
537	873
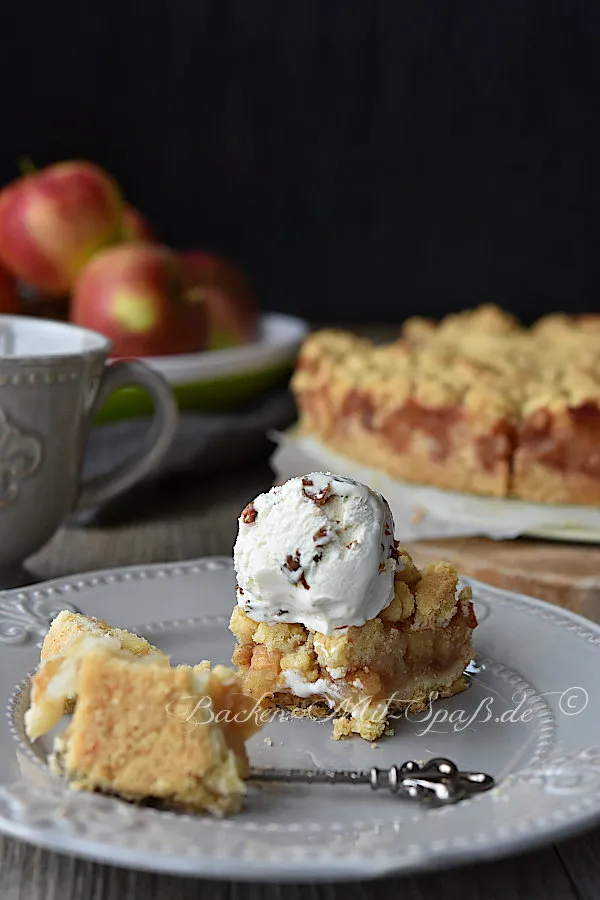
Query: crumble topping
451	403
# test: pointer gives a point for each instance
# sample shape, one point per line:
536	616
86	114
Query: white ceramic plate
530	718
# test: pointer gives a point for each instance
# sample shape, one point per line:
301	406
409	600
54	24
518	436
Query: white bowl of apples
72	249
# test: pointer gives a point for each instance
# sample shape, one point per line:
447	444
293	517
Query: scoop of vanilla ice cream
319	551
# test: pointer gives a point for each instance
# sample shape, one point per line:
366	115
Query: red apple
133	293
54	220
224	290
10	301
135	227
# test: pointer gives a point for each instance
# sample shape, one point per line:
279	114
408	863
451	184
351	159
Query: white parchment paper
425	512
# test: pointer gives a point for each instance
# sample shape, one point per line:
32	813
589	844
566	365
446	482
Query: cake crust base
380	720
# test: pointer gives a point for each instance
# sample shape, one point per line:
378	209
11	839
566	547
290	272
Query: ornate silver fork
437	782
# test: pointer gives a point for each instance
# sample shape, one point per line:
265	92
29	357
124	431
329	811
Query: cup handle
157	441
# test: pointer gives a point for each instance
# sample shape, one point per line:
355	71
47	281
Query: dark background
364	160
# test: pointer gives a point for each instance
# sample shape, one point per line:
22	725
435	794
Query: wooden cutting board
565	574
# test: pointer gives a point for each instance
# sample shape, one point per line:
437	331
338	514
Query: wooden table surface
181	521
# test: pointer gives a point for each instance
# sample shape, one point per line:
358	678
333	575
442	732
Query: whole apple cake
473	403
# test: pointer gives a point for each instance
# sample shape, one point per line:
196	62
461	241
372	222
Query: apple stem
26	165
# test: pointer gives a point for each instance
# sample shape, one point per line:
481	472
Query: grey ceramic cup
53	378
